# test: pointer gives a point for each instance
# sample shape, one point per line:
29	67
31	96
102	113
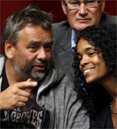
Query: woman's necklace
112	109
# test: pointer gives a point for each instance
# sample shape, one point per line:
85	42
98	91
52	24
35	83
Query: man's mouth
83	20
40	67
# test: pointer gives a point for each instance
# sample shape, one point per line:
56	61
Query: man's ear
8	49
63	7
103	5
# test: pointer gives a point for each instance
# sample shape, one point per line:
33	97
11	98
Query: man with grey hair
34	92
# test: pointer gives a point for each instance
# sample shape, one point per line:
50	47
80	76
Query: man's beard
27	70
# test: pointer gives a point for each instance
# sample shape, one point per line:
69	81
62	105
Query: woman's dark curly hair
94	96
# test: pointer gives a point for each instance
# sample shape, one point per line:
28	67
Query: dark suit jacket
61	50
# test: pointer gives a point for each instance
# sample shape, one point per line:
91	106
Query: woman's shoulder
102	119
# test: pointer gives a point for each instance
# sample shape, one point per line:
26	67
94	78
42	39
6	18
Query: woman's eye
79	58
92	53
33	47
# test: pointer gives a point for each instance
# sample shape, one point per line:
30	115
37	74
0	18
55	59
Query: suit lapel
66	42
66	56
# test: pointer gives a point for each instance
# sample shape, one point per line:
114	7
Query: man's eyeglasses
75	4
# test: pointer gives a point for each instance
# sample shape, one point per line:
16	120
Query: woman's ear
8	49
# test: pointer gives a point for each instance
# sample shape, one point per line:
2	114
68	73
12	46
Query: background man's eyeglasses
75	4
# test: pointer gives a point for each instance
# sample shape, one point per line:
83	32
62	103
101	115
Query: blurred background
54	6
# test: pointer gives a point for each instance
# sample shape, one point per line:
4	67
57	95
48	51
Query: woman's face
92	64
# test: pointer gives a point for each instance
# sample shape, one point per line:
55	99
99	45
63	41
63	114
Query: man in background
80	14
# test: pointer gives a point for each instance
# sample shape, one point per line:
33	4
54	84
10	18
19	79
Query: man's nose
82	9
42	54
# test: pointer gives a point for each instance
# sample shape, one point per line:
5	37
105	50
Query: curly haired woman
95	74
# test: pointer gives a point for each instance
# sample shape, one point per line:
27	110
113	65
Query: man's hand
17	95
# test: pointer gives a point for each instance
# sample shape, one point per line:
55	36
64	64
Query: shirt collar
73	40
